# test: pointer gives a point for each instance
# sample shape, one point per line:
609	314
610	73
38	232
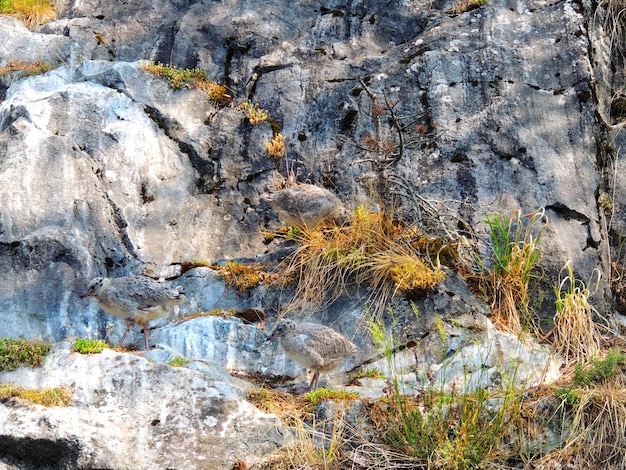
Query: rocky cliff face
105	169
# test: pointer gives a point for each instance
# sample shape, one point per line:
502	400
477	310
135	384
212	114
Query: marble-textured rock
468	353
128	412
107	170
141	177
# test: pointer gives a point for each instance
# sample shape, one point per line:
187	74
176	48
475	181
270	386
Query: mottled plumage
317	347
307	205
136	299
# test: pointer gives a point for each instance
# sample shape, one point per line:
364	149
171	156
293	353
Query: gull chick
317	347
135	299
307	205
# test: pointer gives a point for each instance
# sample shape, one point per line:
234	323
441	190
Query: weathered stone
128	412
106	170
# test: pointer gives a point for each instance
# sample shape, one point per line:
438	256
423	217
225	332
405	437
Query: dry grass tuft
614	22
32	13
600	425
60	396
285	405
218	94
244	277
464	6
372	249
576	336
313	444
31	68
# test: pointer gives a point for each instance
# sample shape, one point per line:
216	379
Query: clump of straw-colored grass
576	336
32	12
372	249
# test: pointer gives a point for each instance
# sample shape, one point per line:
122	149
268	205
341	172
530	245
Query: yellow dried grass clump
244	277
218	94
314	444
60	396
410	273
255	114
29	68
32	12
576	336
372	249
598	429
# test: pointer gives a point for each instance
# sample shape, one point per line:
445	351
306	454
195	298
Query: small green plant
373	373
178	77
591	376
376	328
179	361
445	430
89	346
443	334
293	233
314	397
568	395
59	396
598	370
18	352
605	202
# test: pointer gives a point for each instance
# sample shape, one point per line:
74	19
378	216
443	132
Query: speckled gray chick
307	205
135	299
317	347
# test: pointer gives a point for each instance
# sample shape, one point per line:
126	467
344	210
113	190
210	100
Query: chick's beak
86	294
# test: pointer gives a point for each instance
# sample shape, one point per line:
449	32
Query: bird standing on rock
136	299
317	347
307	205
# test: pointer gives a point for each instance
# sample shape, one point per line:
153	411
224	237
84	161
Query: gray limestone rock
107	170
128	412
